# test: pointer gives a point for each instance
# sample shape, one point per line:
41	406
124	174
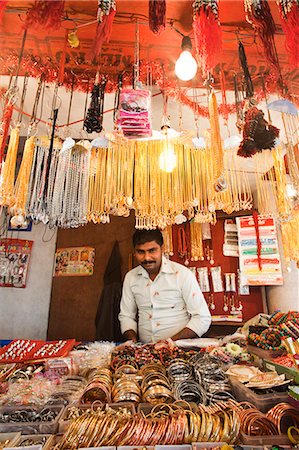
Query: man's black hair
142	236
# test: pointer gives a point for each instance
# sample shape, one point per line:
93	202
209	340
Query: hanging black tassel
247	77
117	96
157	15
238	103
258	134
94	117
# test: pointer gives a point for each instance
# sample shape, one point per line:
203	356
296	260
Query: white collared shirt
164	306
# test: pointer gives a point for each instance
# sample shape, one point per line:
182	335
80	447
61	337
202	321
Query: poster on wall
74	261
14	262
266	269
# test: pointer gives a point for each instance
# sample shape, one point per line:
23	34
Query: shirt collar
166	267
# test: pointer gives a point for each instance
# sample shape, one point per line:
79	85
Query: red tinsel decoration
7	114
106	13
3	4
258	240
207	33
259	15
157	15
45	13
289	13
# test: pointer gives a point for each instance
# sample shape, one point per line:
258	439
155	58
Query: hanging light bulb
168	158
186	65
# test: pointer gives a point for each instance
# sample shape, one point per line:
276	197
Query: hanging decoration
22	182
94	118
40	192
247	78
9	168
3	4
258	134
157	15
168	241
6	119
290	239
134	112
196	244
45	13
258	14
272	186
289	14
216	141
106	13
207	34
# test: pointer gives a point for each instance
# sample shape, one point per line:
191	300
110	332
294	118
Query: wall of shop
24	312
75	300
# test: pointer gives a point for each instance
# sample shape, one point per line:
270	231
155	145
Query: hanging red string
258	240
258	14
3	4
157	15
62	60
106	13
45	13
289	14
207	33
7	114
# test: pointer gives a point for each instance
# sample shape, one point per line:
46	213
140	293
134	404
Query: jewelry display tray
49	439
64	424
44	427
263	402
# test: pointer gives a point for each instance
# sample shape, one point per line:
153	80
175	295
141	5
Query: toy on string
207	33
289	15
157	15
105	17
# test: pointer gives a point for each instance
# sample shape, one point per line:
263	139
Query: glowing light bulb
168	159
186	66
291	191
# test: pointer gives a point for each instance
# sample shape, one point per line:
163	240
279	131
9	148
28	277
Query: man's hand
130	335
185	333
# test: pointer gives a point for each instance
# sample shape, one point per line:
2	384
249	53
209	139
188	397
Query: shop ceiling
118	55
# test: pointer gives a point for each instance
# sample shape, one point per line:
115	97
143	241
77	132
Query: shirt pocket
140	297
170	299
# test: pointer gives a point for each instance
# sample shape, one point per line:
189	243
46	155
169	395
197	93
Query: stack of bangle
126	389
155	385
178	426
179	370
255	423
190	391
99	387
283	415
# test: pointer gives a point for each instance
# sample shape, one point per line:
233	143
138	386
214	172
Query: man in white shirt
160	299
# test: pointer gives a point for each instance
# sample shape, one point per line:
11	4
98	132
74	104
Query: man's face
149	255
